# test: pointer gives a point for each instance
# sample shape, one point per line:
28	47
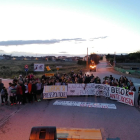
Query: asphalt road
122	123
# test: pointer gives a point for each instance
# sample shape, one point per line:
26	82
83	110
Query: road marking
9	116
85	104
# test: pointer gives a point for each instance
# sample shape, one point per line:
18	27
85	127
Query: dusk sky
68	27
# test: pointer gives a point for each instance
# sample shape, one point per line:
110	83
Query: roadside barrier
127	71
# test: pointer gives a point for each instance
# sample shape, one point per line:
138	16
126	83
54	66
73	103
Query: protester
138	97
23	90
34	91
132	87
111	78
19	94
38	89
12	92
1	85
4	95
30	91
57	82
26	94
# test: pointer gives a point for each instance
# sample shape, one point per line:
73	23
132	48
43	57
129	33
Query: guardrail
135	72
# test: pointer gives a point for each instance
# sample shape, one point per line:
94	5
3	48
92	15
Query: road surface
122	123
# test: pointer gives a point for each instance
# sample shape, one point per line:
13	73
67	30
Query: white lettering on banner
85	104
126	96
51	92
115	93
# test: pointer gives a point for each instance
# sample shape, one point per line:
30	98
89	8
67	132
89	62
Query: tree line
127	58
94	57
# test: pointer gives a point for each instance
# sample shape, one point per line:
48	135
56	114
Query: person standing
26	95
3	95
38	88
34	91
138	97
23	92
19	94
132	87
30	91
12	92
1	85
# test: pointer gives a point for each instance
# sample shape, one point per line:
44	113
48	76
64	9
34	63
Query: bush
80	62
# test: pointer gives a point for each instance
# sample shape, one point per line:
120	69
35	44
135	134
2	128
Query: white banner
38	67
102	90
81	89
88	89
126	96
114	91
51	92
85	104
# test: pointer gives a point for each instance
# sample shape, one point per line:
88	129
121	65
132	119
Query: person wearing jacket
12	93
30	91
34	91
19	94
38	88
1	85
4	95
138	97
26	94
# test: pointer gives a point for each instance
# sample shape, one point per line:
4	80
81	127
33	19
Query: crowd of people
30	89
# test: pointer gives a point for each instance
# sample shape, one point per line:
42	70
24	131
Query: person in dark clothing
4	95
111	78
1	85
43	77
80	79
23	93
19	94
132	87
138	97
12	92
34	90
87	80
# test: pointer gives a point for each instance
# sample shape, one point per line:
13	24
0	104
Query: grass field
12	68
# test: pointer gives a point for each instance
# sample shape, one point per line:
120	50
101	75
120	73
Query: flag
48	68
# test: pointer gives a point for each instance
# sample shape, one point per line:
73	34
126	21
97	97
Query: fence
134	72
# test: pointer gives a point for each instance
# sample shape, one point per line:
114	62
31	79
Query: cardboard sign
51	92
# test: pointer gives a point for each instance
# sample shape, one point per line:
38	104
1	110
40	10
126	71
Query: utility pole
87	57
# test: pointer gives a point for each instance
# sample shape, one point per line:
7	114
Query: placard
51	92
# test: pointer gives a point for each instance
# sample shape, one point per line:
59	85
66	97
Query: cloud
92	39
1	50
62	52
52	41
25	54
25	42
